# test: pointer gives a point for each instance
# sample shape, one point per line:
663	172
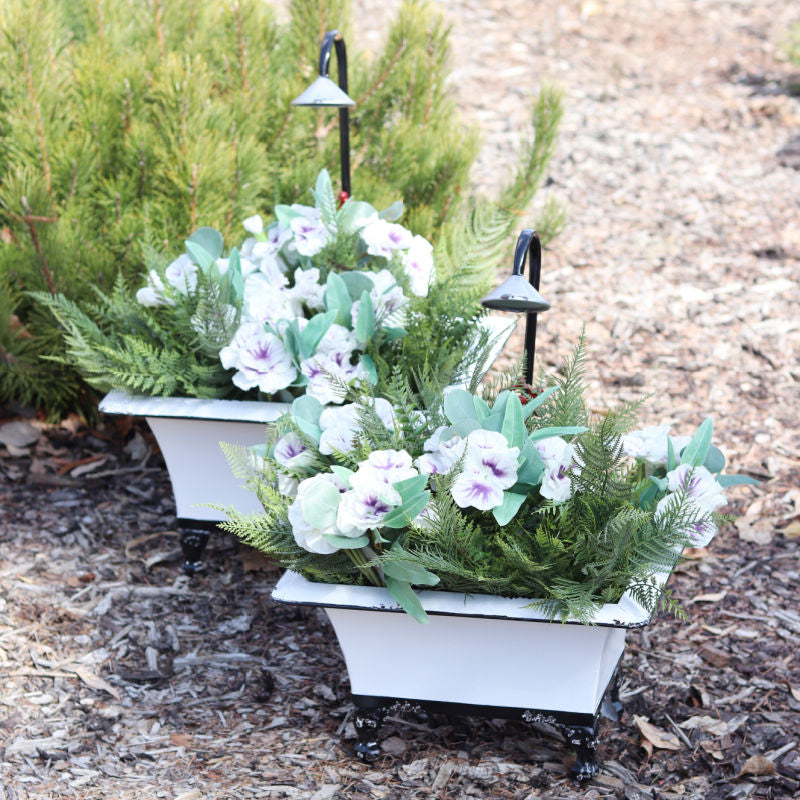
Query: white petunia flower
418	264
287	485
291	452
307	289
324	372
364	508
478	489
489	450
383	238
309	233
339	424
264	301
387	298
385	467
699	485
337	339
254	225
245	265
181	274
259	358
153	293
558	456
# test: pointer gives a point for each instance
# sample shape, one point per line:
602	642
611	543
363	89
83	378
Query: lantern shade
324	92
515	294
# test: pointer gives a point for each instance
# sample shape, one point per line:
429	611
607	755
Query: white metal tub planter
455	512
478	656
218	342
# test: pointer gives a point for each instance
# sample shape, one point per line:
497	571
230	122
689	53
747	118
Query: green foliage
791	45
127	125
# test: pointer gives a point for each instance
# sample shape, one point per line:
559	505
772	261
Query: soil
121	677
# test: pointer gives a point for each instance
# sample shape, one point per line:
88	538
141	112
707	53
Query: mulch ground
121	678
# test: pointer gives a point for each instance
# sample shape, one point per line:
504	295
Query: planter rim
121	402
293	588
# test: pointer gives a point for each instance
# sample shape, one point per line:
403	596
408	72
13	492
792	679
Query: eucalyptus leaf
342	472
404	594
393	213
234	274
466	426
736	480
325	199
494	422
369	368
546	433
337	299
307	408
310	429
209	239
513	427
404	515
394	332
408	572
481	409
346	542
411	486
352	215
365	321
672	461
715	460
500	402
458	406
199	255
356	283
320	504
506	511
532	466
316	328
696	451
533	404
285	214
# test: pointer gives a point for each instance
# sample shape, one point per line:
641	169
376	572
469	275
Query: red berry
343	196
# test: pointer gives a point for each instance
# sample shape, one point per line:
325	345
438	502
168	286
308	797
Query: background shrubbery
126	124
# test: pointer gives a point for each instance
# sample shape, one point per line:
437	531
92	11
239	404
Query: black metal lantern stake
324	92
518	294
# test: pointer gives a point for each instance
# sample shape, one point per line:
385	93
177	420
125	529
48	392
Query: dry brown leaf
754	526
712	597
795	690
93	681
712	748
758	765
792	530
180	740
659	738
136	541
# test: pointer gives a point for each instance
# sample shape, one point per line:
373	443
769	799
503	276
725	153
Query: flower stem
358	558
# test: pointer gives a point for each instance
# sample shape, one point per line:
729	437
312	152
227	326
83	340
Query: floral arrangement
509	492
312	303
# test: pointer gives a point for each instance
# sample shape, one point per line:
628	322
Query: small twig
680	733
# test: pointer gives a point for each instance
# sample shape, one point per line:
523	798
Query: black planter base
580	730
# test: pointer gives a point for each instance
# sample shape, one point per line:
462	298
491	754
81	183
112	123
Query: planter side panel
198	469
492	662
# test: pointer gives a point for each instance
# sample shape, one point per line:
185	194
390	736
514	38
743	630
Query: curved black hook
528	242
331	39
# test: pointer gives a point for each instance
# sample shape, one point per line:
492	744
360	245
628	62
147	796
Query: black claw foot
370	714
193	543
584	740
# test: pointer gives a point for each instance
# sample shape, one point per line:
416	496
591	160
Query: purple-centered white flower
309	233
648	444
307	289
558	456
339	424
693	521
363	509
292	452
181	274
698	484
384	238
266	300
306	535
490	466
387	298
259	358
325	372
418	264
385	467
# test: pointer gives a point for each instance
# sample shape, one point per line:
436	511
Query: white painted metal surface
477	649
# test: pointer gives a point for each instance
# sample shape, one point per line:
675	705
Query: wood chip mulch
122	678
